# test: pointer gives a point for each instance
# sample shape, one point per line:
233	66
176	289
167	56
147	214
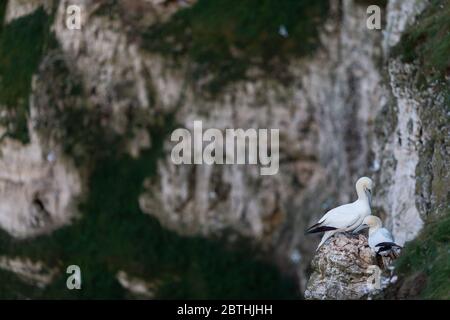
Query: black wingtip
316	229
312	228
388	244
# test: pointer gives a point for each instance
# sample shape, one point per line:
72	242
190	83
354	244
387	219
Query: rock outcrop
346	268
39	187
32	272
19	8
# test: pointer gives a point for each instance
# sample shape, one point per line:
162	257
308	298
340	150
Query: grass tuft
429	40
429	254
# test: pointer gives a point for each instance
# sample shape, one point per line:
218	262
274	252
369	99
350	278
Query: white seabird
380	239
347	217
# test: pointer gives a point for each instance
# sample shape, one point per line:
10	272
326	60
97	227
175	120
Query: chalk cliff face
411	154
325	115
411	140
39	188
397	148
348	109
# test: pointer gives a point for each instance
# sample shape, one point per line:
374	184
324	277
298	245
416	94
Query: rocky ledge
346	268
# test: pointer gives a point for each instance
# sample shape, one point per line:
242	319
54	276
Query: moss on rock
428	40
426	258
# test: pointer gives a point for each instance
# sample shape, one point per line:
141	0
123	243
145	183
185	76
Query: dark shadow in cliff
22	44
114	234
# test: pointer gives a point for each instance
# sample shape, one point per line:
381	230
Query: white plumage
347	217
380	239
379	236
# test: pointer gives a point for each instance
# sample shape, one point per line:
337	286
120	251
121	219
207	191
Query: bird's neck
362	196
373	230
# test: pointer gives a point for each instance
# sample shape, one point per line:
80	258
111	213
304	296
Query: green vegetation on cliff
427	43
22	43
2	13
115	235
428	40
225	38
429	256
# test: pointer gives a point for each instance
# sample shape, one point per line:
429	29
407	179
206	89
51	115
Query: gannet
381	240
347	217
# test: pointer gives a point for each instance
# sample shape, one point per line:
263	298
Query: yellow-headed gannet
347	217
381	240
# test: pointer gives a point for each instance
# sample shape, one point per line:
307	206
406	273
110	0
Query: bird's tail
319	228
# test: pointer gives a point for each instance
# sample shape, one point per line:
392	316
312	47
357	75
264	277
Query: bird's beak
361	227
369	196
